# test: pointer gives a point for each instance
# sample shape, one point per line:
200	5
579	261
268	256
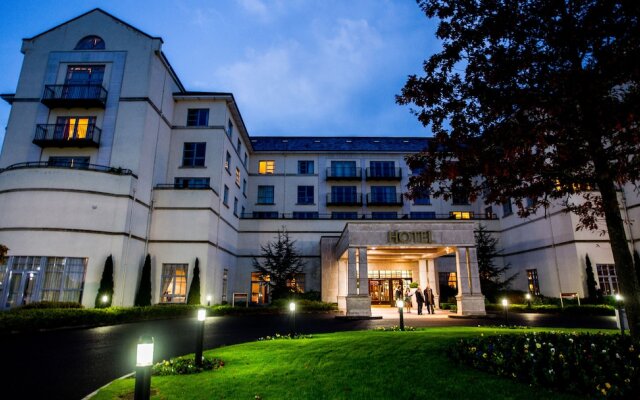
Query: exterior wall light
144	361
209	300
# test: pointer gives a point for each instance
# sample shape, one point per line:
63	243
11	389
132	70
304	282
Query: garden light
505	304
144	360
104	299
400	305
292	308
208	300
528	296
202	314
619	299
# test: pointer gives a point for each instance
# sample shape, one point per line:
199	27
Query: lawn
347	365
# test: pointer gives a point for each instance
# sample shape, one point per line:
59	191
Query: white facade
137	165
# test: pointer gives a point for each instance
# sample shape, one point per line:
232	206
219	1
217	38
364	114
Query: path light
505	304
144	361
209	300
400	305
292	308
104	299
528	296
620	316
202	314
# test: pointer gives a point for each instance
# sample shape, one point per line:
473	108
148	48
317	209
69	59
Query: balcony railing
384	174
354	199
70	165
361	216
64	135
344	174
384	199
74	95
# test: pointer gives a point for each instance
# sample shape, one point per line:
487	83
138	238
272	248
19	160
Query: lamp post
505	304
144	360
208	300
292	308
528	296
400	305
620	317
202	314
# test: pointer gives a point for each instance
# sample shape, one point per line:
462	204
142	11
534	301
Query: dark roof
338	143
103	12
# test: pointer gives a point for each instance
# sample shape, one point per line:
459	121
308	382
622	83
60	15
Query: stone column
422	273
469	302
433	281
363	271
352	286
357	305
474	273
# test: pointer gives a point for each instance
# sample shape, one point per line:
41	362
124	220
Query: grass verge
346	365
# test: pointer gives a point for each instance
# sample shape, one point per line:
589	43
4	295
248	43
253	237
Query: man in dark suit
429	299
419	300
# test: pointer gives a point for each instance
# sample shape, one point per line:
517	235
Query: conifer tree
492	277
143	297
106	285
592	291
194	289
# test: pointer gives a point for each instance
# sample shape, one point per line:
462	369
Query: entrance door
21	289
379	291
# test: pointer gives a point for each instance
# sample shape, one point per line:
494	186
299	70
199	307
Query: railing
384	199
341	173
198	186
88	95
334	199
64	135
70	165
361	216
384	174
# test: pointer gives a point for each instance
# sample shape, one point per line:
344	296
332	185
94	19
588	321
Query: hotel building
107	153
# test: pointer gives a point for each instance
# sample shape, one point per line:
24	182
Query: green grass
347	365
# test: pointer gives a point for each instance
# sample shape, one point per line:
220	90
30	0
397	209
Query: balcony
384	174
344	174
77	95
334	199
384	199
64	135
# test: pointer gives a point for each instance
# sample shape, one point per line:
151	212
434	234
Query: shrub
413	285
185	365
288	336
594	365
50	304
394	328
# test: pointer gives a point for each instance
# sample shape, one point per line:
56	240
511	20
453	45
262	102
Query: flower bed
595	365
185	365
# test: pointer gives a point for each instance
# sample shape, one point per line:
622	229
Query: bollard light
400	305
528	297
505	304
202	314
619	299
292	307
144	361
208	300
104	299
292	318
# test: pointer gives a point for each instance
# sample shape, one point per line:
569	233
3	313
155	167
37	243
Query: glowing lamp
399	303
104	298
202	314
292	306
144	355
528	296
505	302
618	297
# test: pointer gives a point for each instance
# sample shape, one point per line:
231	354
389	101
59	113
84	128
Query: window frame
165	296
306	167
262	197
305	195
266	167
197	117
195	157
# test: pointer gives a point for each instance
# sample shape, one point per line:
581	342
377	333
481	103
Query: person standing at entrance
398	293
407	300
419	300
428	298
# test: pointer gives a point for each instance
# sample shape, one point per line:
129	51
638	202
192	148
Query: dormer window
90	43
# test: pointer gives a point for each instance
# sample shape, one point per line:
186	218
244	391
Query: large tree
143	295
278	264
541	99
493	277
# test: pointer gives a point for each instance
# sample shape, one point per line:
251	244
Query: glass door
21	289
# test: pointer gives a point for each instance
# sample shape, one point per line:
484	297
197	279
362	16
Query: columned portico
388	255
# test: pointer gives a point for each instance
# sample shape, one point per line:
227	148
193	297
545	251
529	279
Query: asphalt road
71	363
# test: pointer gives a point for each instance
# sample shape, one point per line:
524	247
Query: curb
90	395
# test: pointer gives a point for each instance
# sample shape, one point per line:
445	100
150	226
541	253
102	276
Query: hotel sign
402	237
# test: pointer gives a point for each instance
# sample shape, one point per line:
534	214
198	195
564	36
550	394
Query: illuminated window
73	128
452	280
532	281
237	176
461	214
90	43
227	162
607	279
297	283
259	288
266	167
174	283
448	282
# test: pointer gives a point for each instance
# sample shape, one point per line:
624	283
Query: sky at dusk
295	67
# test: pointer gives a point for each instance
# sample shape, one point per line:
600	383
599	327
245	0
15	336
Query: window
266	167
305	167
488	212
506	208
191	183
69	162
382	169
265	194
344	215
242	212
422	215
305	194
423	199
227	162
532	282
72	128
259	288
238	146
607	279
198	117
245	159
384	215
193	154
225	196
529	202
63	279
237	177
174	283
265	214
225	283
85	75
297	283
235	206
343	168
459	197
448	279
344	194
244	187
461	215
229	129
305	215
383	194
90	43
